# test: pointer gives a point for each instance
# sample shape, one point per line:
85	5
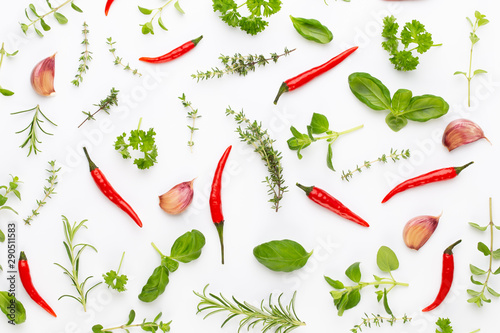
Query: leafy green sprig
119	60
193	115
377	320
32	127
84	59
41	18
480	21
281	318
147	28
413	33
394	155
239	64
114	280
444	326
347	297
141	141
10	188
74	252
48	191
3	53
104	105
478	297
319	126
255	136
148	326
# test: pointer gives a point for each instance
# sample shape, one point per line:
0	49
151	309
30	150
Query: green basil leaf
282	255
395	123
171	264
145	11
370	91
353	272
334	283
6	92
401	100
483	248
131	317
477	226
312	29
425	107
386	303
319	123
476	270
60	18
188	247
156	284
7	302
387	260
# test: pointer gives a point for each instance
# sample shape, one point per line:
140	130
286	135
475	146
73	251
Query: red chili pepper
108	5
108	190
301	79
215	201
447	279
430	177
322	198
175	53
24	273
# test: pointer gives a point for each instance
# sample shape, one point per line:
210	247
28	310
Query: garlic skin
460	132
42	76
178	198
418	230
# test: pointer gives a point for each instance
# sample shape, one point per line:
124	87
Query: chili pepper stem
449	249
283	89
220	231
92	166
307	189
459	169
157	250
197	40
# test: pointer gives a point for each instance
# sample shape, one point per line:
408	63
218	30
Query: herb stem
48	13
335	135
491	225
2	52
469	77
157	249
120	266
140	122
160	9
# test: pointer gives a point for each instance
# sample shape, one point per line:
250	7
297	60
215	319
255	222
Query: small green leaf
473	292
2	236
386	303
171	264
380	294
387	260
44	25
97	328
160	23
155	285
178	7
282	255
482	22
458	73
33	9
145	11
353	299
395	123
353	272
329	157
38	32
401	100
497	271
471	24
319	123
75	7
334	283
473	38
11	307
147	28
370	91
312	29
337	295
477	226
6	92
480	71
479	283
131	317
496	254
483	248
24	27
493	292
476	271
60	18
188	246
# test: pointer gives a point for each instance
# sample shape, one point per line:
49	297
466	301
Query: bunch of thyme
393	155
377	320
85	57
239	64
193	115
118	60
254	135
104	105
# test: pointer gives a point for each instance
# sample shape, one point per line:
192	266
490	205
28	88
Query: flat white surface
337	243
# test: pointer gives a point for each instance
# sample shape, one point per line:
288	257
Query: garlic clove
178	198
418	230
460	132
42	76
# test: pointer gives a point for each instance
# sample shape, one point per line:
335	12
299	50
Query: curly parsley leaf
262	7
445	325
253	24
141	141
115	281
404	61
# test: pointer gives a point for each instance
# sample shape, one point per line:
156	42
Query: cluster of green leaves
377	321
148	326
403	106
255	136
74	252
347	297
319	126
6	300
10	188
147	28
480	21
478	297
84	59
239	64
40	18
413	33
47	191
119	60
193	115
104	105
312	29
142	141
185	249
444	326
282	255
394	155
281	319
252	24
32	127
114	280
3	52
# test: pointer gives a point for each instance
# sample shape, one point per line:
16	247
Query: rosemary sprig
74	252
37	121
3	53
254	135
47	191
193	115
151	326
394	155
118	60
278	317
85	57
377	320
147	28
104	105
239	64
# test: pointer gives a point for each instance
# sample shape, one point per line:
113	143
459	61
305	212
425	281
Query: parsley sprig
444	326
413	33
141	141
114	280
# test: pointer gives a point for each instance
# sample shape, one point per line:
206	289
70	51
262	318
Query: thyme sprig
239	64
394	155
278	317
254	135
119	60
150	326
47	191
85	57
104	105
193	115
3	53
378	320
147	28
32	127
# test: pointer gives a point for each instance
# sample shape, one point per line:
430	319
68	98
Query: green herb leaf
386	303
319	123
160	23
97	329
479	283
329	157
155	285
334	283
60	18
76	8
480	71
171	264
483	248
188	247
401	100
425	107
2	236
145	11
18	316
444	325
178	7
476	271
387	260
477	226
353	272
6	92
496	254
115	281
312	29
131	317
44	25
395	123
370	91
282	255
492	292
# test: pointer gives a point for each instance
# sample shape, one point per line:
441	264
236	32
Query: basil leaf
370	91
281	256
7	302
401	100
171	264
319	123
156	284
395	123
312	29
188	247
387	260
425	107
353	272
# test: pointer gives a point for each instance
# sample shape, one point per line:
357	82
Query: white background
337	243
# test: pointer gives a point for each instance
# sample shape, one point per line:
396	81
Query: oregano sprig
394	155
377	320
104	105
84	59
193	115
148	326
11	187
119	60
147	28
3	52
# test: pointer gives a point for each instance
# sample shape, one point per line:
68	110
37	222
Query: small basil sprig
319	125
148	326
282	255
403	106
347	297
18	316
312	29
186	248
